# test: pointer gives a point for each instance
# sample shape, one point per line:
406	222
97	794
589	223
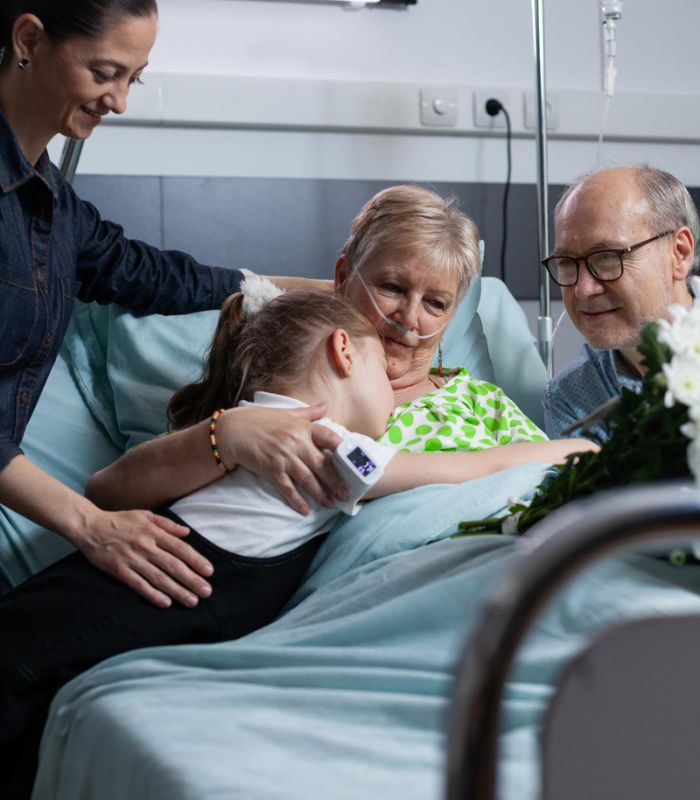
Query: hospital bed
348	694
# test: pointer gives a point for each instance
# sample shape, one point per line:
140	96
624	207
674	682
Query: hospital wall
264	125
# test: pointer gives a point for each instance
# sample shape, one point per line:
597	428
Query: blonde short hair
417	222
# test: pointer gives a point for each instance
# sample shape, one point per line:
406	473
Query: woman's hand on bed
286	448
146	552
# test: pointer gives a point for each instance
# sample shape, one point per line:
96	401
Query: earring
440	358
23	64
2	54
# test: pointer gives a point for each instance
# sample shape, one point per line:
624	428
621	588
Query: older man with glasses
625	246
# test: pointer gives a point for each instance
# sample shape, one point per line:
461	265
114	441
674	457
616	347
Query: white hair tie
257	291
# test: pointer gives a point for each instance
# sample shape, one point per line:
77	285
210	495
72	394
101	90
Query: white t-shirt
246	514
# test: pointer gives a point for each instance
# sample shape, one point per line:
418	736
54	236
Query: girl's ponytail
217	386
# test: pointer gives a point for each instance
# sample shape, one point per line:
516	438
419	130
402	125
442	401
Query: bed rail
549	555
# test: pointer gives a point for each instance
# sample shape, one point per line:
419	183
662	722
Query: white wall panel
457	41
138	150
282	75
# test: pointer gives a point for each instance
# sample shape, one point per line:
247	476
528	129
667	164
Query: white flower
694	459
509	525
694	284
257	291
683	334
690	429
683	378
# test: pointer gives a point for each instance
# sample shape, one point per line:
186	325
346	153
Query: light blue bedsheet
346	695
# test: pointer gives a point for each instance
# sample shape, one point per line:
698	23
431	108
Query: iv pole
70	157
544	320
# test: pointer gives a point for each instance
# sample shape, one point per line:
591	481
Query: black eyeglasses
604	265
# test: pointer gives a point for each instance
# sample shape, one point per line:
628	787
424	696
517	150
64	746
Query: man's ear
342	273
683	253
340	352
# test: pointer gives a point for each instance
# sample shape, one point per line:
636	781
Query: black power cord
493	108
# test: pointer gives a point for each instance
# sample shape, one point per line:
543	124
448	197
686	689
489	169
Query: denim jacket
53	248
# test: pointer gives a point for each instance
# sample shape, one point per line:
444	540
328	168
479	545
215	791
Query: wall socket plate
438	106
530	111
484	120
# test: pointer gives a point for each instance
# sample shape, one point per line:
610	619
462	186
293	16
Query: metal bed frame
556	549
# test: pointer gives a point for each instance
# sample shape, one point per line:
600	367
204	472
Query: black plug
493	107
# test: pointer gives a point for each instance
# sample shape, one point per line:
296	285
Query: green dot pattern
464	414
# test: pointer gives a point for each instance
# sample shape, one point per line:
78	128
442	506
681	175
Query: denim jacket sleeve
114	269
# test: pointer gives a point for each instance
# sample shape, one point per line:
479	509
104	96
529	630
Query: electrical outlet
438	106
481	118
530	109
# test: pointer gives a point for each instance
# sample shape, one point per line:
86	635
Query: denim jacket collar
15	170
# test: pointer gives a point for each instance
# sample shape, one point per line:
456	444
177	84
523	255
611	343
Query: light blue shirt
595	377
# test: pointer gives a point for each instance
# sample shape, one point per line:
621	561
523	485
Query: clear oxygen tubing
391	322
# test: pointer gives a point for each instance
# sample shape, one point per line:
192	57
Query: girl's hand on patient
146	552
286	448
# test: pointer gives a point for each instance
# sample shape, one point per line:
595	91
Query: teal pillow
517	365
148	359
128	367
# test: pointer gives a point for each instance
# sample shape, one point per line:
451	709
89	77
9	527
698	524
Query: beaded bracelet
212	440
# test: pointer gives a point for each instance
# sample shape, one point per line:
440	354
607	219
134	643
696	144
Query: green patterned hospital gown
464	414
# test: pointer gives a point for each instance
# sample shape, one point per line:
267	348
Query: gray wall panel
297	227
133	202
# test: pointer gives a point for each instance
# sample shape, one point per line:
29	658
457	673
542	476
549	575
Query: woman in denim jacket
64	65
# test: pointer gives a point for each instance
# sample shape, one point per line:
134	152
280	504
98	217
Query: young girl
298	349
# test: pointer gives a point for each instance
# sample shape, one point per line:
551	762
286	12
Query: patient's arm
280	445
408	470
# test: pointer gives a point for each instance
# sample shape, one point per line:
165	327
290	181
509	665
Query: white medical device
355	467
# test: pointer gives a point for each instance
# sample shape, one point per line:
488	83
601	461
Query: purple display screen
363	463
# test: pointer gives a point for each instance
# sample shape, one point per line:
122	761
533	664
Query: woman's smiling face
80	80
414	297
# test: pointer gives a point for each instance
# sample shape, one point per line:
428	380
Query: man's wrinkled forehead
605	211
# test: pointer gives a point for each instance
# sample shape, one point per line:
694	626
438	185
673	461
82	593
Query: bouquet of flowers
653	435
